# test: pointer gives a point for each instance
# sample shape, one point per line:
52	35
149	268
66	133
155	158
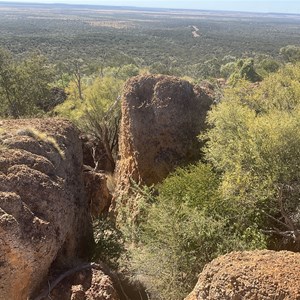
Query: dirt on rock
252	275
161	119
44	214
92	284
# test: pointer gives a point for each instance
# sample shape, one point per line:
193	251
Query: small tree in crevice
104	126
102	114
98	115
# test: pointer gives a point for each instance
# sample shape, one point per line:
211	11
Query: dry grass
43	137
2	145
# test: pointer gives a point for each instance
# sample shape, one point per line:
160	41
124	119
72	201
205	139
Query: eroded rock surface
93	284
161	119
96	186
253	275
43	209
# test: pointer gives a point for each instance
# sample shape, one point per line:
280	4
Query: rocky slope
44	218
263	275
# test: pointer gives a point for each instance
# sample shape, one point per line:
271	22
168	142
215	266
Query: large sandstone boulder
161	119
256	275
44	217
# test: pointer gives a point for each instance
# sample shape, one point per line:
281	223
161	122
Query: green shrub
254	143
97	113
109	242
244	70
24	85
187	227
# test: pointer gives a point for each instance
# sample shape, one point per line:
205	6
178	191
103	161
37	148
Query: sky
278	6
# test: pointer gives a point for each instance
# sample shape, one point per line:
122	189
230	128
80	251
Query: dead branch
292	232
287	219
276	220
46	293
294	235
76	269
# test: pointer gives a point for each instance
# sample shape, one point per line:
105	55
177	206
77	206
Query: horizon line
148	8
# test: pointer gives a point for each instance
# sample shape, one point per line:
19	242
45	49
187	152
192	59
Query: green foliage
191	184
267	66
96	110
244	70
24	85
186	227
122	72
109	242
102	115
254	142
134	213
290	53
98	94
280	91
227	69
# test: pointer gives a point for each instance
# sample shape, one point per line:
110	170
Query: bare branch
294	235
276	220
99	266
61	277
287	219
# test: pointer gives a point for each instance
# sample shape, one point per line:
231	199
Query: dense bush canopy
25	86
254	142
187	226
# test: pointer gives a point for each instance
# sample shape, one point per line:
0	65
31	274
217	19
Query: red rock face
253	275
161	119
43	209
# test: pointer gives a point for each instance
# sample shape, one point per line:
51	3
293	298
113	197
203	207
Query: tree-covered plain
160	39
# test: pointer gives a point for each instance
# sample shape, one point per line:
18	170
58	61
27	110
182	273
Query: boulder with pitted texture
161	119
253	275
44	216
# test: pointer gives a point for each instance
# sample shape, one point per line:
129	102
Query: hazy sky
288	6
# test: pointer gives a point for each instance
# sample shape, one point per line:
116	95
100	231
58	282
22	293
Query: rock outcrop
263	275
161	119
44	217
96	186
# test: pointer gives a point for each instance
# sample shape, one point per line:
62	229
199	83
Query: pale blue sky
288	6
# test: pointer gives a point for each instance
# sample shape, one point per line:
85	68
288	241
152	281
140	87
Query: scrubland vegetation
243	194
